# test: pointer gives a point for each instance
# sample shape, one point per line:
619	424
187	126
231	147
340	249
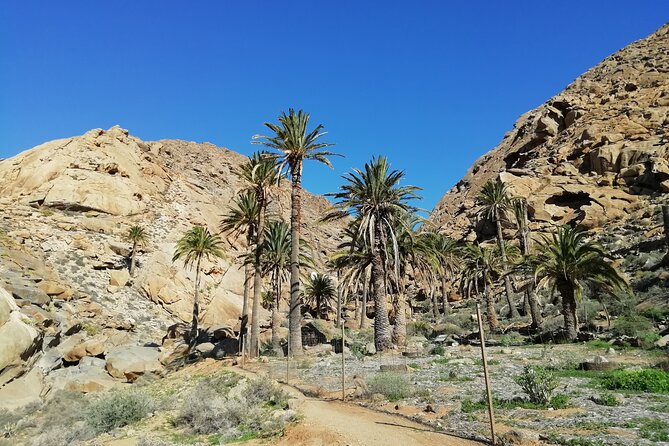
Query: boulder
119	278
19	339
82	378
29	295
132	361
22	392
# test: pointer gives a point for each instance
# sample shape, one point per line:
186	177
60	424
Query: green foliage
420	328
437	350
653	429
607	399
559	401
597	344
575	441
391	385
538	383
512	338
632	325
118	409
441	361
646	380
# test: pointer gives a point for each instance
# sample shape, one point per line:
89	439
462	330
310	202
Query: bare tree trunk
338	320
568	310
535	310
435	303
513	311
132	258
363	311
196	308
295	309
257	281
491	313
247	282
276	342
400	328
444	296
382	331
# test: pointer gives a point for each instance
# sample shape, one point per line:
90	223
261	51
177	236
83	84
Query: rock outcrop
590	155
71	316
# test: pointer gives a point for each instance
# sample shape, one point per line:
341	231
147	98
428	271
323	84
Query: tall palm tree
568	262
495	199
449	256
260	173
520	214
295	144
137	236
196	244
242	217
320	291
374	197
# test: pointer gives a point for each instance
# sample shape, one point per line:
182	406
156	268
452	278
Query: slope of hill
592	154
65	209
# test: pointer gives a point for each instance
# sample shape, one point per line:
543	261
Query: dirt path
333	423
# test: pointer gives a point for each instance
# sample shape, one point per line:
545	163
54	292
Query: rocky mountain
66	299
593	154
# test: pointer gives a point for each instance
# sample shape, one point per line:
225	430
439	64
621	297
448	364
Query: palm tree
520	214
320	291
137	236
196	244
295	144
260	173
482	264
496	202
568	262
354	259
449	256
242	217
276	259
374	197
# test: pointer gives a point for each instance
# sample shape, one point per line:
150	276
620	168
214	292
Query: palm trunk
382	331
568	309
132	258
444	296
338	321
491	313
295	310
363	306
513	311
257	280
247	280
196	308
400	328
535	310
276	342
435	303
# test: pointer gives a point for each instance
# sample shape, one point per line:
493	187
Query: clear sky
430	84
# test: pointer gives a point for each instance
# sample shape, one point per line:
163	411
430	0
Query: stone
119	278
370	348
131	361
206	348
662	342
82	378
22	392
520	437
30	295
19	339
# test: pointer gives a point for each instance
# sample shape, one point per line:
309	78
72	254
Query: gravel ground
444	381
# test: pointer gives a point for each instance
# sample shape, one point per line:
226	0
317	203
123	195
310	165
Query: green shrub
391	385
512	338
118	409
538	383
437	350
560	401
420	328
653	429
632	325
607	399
647	380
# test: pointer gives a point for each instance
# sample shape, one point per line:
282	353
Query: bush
247	412
607	399
538	384
420	328
632	325
118	409
391	385
647	380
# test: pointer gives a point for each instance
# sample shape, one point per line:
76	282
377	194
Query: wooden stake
491	415
343	366
287	357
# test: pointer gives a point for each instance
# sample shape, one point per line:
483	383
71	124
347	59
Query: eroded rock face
19	339
589	155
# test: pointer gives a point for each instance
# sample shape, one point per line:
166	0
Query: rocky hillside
65	208
592	154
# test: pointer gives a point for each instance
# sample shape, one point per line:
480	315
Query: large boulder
132	361
19	339
82	378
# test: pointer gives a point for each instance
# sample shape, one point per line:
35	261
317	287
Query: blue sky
430	84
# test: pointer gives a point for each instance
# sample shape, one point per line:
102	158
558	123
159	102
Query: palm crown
137	234
242	215
196	244
294	142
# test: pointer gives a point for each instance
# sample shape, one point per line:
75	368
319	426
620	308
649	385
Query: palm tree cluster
387	251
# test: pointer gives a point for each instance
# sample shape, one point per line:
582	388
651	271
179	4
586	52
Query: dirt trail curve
333	423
